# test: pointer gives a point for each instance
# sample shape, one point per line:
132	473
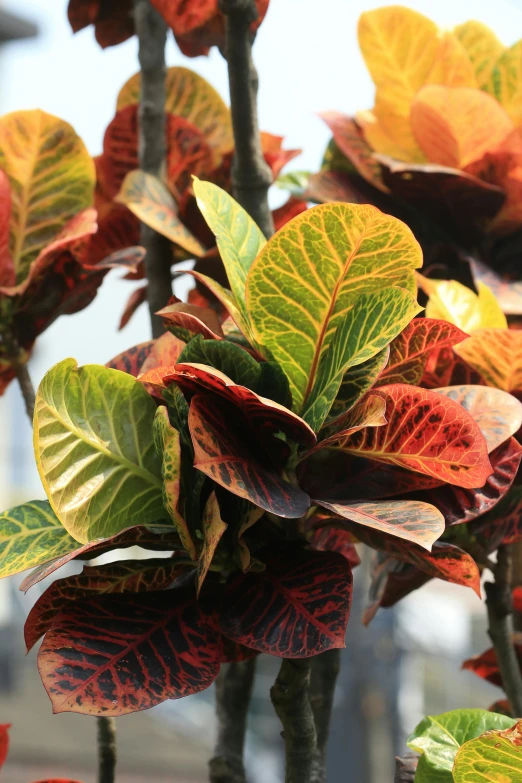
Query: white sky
308	60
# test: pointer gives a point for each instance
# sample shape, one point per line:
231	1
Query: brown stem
151	30
499	604
26	387
289	696
405	768
325	669
233	692
251	175
106	750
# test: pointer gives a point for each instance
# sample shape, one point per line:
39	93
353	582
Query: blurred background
407	663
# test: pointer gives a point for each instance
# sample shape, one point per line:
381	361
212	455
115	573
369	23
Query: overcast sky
308	59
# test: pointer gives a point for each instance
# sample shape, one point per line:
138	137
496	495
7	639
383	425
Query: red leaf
445	368
120	150
231	652
188	155
367	413
165	351
118	653
277	157
157	538
56	780
517	599
130	576
296	608
193	319
287	211
485	665
4	742
428	433
351	142
392	580
112	20
135	300
503	524
118	230
331	539
224	451
131	360
409	351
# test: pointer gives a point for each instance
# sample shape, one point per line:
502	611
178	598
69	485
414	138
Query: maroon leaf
158	538
135	300
324	187
503	524
131	360
231	652
224	451
290	209
192	319
369	412
445	368
296	608
486	666
351	142
409	351
331	539
119	653
113	22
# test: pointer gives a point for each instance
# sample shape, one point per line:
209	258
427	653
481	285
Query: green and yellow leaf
497	355
482	46
505	82
213	528
494	757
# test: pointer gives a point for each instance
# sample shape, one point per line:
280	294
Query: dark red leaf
118	653
231	652
131	360
191	319
296	608
445	368
331	539
351	142
188	155
287	211
4	742
517	599
486	666
324	187
501	525
157	539
112	19
224	451
392	580
135	300
130	576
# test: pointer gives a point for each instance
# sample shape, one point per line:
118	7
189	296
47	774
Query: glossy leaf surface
493	756
497	355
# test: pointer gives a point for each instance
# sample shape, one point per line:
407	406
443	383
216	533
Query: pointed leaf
238	238
223	452
129	576
412	521
482	45
213	528
428	433
165	350
148	199
486	666
451	301
350	141
226	298
94	450
497	355
493	756
358	380
368	413
498	414
186	320
169	649
311	273
296	608
51	176
167	442
29	535
410	350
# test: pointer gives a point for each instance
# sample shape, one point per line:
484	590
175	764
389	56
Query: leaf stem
325	670
106	750
251	175
151	30
291	701
233	691
499	604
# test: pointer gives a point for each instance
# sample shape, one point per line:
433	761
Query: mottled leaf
494	755
497	355
4	742
505	81
358	380
482	46
186	320
368	413
212	527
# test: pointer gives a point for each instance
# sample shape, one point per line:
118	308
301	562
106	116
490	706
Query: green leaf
367	329
439	737
228	301
358	380
238	238
295	182
310	275
30	535
494	757
94	450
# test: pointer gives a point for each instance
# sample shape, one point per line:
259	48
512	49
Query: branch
251	175
233	691
325	669
26	387
152	35
289	696
405	768
106	750
499	603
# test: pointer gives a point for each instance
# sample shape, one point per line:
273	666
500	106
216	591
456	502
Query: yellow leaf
505	82
482	46
453	302
497	355
452	66
456	126
388	133
51	176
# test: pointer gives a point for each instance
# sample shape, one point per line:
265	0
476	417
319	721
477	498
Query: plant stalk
499	604
405	768
151	30
291	701
325	670
26	387
251	175
233	691
106	750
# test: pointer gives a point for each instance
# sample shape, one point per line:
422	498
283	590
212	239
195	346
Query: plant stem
289	696
233	692
251	175
151	30
325	669
26	387
106	750
405	768
499	604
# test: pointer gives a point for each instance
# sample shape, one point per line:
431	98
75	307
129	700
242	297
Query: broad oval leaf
420	523
297	607
428	433
94	450
494	755
452	66
482	46
129	576
497	355
148	198
52	179
311	273
170	648
451	301
498	414
238	238
31	534
438	738
191	97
